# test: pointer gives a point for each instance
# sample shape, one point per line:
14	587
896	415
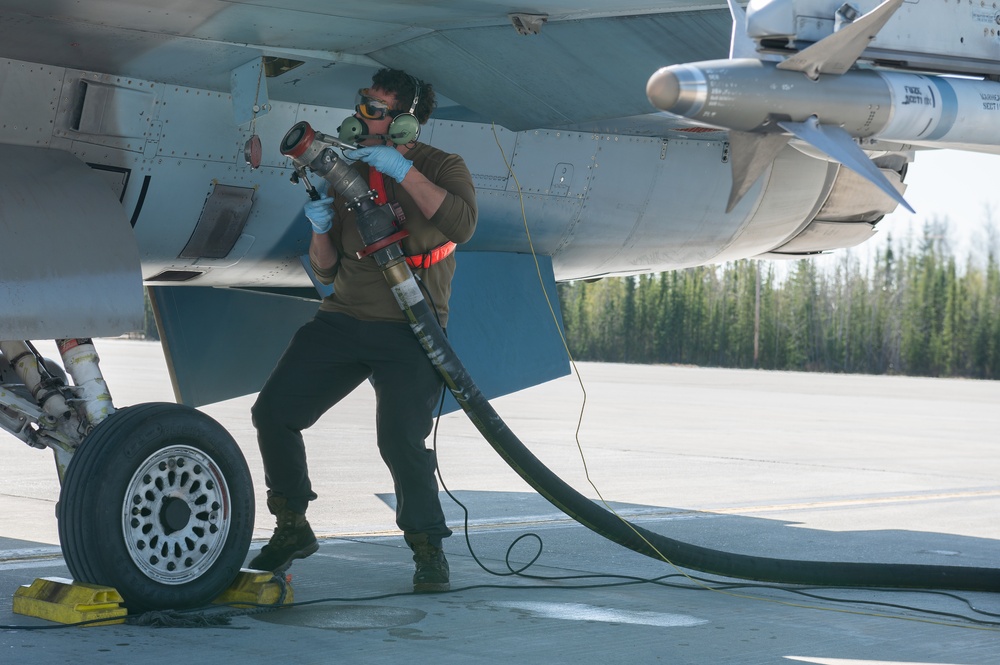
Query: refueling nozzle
377	222
314	151
302	137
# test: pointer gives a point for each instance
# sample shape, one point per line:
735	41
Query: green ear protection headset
405	128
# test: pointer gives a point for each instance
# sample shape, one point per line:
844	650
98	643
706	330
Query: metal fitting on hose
314	151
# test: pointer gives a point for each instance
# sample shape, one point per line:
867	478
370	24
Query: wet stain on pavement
345	617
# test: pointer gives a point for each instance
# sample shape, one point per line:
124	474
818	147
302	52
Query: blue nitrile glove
320	214
385	160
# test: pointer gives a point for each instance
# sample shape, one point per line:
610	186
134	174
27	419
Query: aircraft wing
488	63
591	64
549	109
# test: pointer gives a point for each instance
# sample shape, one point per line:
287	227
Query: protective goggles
372	108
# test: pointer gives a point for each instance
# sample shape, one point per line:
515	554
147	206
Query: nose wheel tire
158	503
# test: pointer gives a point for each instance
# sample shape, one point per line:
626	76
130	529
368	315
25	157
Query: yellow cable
586	470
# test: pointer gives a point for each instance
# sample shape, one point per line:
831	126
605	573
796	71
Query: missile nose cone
678	89
663	89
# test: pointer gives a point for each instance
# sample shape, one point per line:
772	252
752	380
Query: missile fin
750	154
838	144
837	53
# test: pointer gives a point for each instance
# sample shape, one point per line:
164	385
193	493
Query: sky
960	187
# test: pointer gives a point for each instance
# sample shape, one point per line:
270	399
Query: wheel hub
176	515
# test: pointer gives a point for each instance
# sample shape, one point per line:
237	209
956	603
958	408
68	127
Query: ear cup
351	129
404	129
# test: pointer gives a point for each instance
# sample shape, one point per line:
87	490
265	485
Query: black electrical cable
627	580
624	580
702	583
425	326
376	223
639	539
444	486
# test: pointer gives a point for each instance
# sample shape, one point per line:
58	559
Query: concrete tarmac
801	466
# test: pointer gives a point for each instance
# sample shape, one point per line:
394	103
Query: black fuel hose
376	223
613	527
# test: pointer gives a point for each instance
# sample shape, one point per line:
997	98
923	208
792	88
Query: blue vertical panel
500	325
223	343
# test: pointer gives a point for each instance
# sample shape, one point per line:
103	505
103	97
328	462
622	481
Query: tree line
912	309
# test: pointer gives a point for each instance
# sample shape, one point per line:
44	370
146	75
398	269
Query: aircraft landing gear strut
156	500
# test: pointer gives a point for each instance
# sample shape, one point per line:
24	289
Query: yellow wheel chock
65	601
256	587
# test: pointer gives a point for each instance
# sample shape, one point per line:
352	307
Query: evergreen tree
914	309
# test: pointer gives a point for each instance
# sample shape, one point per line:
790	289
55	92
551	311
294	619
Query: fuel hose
312	150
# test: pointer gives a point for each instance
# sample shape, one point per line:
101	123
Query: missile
749	95
763	106
819	95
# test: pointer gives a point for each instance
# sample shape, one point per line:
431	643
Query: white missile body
820	96
751	95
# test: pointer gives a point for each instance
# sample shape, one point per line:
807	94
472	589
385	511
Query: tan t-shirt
360	289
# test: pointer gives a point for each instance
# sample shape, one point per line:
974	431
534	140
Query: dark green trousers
326	360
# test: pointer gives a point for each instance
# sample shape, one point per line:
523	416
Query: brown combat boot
432	571
293	539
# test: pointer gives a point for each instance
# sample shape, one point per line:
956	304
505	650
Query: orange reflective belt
427	259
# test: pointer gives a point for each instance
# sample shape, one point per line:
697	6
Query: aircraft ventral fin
838	144
837	53
750	154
